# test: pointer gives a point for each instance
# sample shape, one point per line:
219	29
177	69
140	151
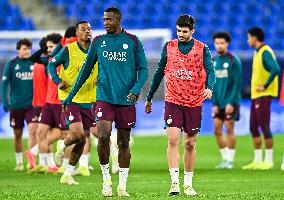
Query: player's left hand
62	85
229	109
260	88
207	94
132	98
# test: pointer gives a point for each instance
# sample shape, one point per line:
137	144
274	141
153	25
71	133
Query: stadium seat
233	16
12	19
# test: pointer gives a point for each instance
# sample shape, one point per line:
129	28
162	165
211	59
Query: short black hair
186	21
114	10
54	37
81	22
223	35
70	32
257	32
22	42
42	43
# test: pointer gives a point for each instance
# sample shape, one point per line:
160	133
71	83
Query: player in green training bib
226	98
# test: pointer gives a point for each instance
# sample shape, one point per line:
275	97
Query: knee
104	139
33	130
190	145
104	130
41	134
218	130
81	138
17	134
173	142
230	131
123	143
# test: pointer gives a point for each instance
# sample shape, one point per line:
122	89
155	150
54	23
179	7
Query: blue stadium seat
12	19
234	16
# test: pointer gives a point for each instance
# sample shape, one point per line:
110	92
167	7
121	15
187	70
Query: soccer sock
34	150
174	172
224	153
268	156
231	155
257	155
69	170
188	178
19	158
123	174
84	161
42	159
65	162
105	172
50	160
61	145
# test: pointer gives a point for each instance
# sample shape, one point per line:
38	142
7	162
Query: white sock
257	155
42	159
69	170
19	158
231	155
65	162
224	153
269	156
105	172
84	161
174	172
61	145
34	150
188	178
50	160
123	174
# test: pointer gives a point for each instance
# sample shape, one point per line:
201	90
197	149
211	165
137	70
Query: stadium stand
11	18
210	17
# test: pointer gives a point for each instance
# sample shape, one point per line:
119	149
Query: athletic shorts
37	111
19	116
123	116
51	115
73	113
233	116
94	109
188	119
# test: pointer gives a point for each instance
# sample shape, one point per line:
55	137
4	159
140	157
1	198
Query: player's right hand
148	107
6	108
62	85
207	94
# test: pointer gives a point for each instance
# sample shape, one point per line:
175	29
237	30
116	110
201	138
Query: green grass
149	177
